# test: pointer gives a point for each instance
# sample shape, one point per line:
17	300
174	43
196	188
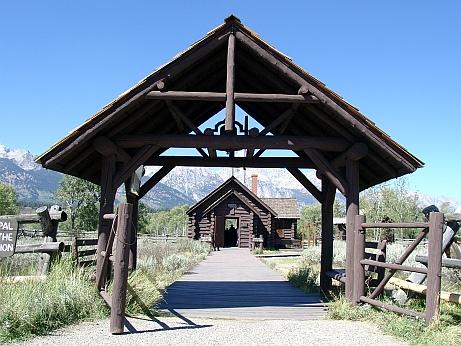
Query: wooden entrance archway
230	67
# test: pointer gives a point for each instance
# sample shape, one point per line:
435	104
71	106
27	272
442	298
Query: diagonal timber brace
325	167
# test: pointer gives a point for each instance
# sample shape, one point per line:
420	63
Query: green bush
304	278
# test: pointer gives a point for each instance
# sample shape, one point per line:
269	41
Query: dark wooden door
219	231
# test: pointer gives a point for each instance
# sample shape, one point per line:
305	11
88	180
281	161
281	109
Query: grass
446	331
35	308
19	265
303	272
68	295
159	265
298	271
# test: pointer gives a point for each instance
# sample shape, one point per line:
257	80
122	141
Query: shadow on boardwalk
234	284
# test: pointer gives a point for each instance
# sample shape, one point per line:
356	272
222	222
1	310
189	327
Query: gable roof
229	194
286	208
225	186
259	68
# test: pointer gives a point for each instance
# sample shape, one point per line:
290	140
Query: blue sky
397	61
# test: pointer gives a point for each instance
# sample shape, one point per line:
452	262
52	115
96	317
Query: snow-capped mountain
196	183
273	182
33	186
183	185
20	157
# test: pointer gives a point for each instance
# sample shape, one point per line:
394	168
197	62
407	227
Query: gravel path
176	331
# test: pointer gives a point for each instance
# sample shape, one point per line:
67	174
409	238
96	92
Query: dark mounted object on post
56	214
49	220
429	209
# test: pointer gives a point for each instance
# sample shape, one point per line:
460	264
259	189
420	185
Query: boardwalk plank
232	283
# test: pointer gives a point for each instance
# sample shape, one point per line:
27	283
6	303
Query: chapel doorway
231	233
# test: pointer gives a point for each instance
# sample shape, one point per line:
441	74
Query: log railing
433	229
83	251
50	249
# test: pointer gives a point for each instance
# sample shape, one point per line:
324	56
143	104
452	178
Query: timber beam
176	118
277	121
262	162
222	97
211	151
326	259
326	100
253	132
132	165
300	176
234	142
230	84
356	152
180	118
106	147
327	170
155	179
284	119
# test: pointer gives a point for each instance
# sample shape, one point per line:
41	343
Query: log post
230	103
314	235
117	313
434	268
49	232
326	261
106	206
359	254
134	200
74	250
352	209
45	222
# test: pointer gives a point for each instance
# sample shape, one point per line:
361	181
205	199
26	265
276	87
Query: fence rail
433	229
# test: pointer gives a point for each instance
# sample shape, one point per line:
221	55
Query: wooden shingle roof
286	208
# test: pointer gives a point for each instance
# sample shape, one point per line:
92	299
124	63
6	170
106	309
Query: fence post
117	313
359	254
352	209
434	268
314	235
74	250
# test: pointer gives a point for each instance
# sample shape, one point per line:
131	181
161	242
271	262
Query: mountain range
183	185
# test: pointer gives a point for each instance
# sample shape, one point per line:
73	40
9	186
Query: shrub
311	255
304	278
176	262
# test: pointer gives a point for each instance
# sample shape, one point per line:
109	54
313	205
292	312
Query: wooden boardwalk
232	283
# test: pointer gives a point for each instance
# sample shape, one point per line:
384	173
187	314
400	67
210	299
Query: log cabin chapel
235	216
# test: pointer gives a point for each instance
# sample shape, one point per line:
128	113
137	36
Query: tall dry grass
37	307
159	265
68	295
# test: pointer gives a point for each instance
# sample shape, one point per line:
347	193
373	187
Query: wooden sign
8	236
